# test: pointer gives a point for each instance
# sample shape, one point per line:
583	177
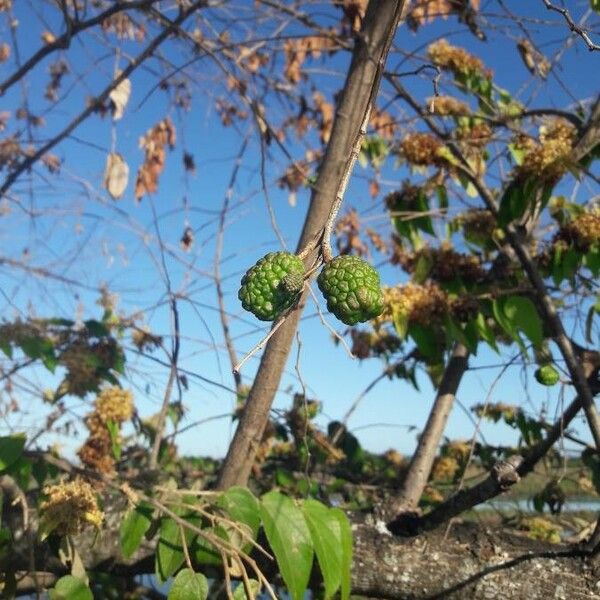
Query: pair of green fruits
349	284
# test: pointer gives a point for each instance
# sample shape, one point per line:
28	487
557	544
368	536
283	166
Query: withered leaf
116	175
187	239
119	97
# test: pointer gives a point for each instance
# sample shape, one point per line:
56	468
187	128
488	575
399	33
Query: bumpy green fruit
547	375
351	287
272	285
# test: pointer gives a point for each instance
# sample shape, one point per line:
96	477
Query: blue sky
83	235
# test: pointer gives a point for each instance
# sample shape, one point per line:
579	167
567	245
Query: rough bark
422	460
370	51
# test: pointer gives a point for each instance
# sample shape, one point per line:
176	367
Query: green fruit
351	287
547	375
272	285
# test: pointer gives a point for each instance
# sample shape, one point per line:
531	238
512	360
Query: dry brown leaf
373	188
533	59
119	97
187	239
4	52
189	163
116	175
48	37
154	144
51	162
326	112
4	117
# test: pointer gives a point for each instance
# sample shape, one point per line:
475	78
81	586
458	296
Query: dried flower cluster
378	342
143	339
582	231
84	362
123	26
455	59
477	136
112	405
404	199
421	149
445	264
464	308
447	106
478	225
548	159
69	506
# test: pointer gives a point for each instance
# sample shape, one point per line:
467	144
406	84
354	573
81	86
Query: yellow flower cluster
423	304
459	450
444	468
69	507
583	230
539	528
114	404
144	339
447	106
548	158
454	59
497	411
421	149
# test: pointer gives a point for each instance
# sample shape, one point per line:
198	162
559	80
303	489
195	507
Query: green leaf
70	588
290	539
135	524
6	347
204	552
442	196
113	430
11	448
188	586
522	314
96	328
240	591
346	547
589	320
595	4
512	204
592	260
327	539
425	339
241	505
400	321
506	324
485	332
169	551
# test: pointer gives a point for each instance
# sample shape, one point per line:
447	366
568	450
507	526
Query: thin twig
572	25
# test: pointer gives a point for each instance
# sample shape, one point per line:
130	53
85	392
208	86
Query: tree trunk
422	460
372	45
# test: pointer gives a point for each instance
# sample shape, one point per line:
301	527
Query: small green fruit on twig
547	375
272	285
351	287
